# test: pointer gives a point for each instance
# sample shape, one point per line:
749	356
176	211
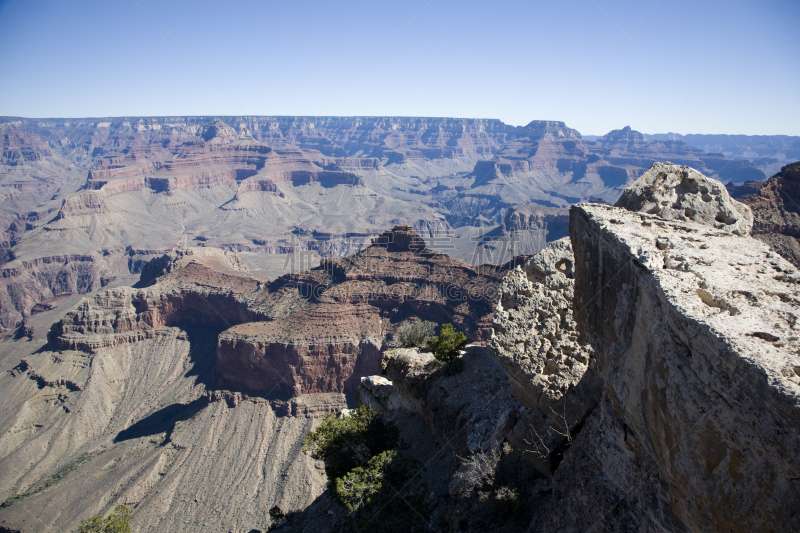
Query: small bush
506	494
478	470
365	474
385	493
117	522
510	503
276	515
349	442
358	487
447	345
416	333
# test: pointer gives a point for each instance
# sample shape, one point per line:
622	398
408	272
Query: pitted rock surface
535	340
676	192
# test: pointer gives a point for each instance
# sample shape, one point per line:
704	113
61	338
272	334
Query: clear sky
696	66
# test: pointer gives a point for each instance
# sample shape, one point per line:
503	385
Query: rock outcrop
692	335
695	333
197	295
326	348
675	192
468	412
551	368
377	393
776	209
317	331
347	311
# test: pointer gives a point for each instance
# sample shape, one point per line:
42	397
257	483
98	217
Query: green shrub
276	515
117	522
385	493
416	333
447	345
359	486
95	524
349	442
365	474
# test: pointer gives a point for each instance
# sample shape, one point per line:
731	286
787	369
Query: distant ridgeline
86	201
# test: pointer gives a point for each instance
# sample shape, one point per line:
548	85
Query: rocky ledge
684	330
696	335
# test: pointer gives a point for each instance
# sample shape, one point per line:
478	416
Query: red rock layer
218	155
776	213
314	331
21	147
324	349
197	295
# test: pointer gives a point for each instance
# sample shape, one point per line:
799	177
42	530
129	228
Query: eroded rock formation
695	332
675	192
348	309
776	208
315	331
552	369
326	348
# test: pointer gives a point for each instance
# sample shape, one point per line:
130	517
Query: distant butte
309	332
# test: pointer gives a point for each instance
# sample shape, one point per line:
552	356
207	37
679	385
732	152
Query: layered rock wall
23	284
327	349
776	208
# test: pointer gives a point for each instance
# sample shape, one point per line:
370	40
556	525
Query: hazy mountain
768	152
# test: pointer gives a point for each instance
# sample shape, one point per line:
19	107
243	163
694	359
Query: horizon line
5	118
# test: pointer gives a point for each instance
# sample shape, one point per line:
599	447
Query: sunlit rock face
695	330
676	192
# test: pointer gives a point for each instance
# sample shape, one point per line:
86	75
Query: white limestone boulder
676	192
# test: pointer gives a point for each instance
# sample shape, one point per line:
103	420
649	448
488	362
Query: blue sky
700	66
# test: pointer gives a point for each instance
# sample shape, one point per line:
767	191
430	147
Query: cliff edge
691	328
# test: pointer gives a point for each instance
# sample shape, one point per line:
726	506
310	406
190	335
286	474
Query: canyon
203	357
186	395
184	298
87	201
